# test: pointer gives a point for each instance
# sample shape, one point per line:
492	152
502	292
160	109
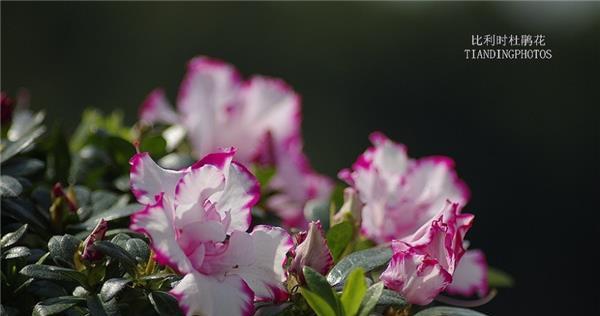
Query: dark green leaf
62	249
10	187
318	285
117	253
22	167
317	303
164	304
338	238
112	214
448	311
354	291
46	289
103	200
55	305
41	271
112	287
23	211
499	278
13	148
391	298
139	249
12	237
371	298
367	259
99	308
264	175
317	210
58	156
16	252
120	240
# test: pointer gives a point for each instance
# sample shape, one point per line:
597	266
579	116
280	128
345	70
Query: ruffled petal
416	277
312	251
208	89
266	274
156	221
156	109
470	276
199	294
148	180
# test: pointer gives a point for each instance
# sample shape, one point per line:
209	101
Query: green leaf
46	289
16	252
58	156
448	311
10	187
55	305
13	148
264	175
62	249
154	144
23	211
499	278
338	238
367	259
99	308
318	285
391	298
20	167
370	299
117	253
120	240
41	271
111	214
318	305
164	304
112	287
12	237
138	249
354	291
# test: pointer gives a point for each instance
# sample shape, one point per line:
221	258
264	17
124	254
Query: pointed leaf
370	300
318	285
391	298
338	238
55	305
41	271
16	252
63	248
12	237
13	148
499	278
318	304
367	259
164	304
112	287
354	291
10	187
117	253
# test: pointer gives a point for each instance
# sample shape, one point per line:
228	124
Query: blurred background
524	134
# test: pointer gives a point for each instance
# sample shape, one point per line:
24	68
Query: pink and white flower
259	116
311	251
424	263
401	194
197	220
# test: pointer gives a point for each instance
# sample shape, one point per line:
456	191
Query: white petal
208	88
149	180
157	222
266	275
156	109
199	294
470	276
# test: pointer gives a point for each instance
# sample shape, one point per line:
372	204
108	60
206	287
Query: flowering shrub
230	219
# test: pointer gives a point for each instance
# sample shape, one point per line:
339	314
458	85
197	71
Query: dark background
524	134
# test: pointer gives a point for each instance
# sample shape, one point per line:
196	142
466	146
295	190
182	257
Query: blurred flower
401	194
423	264
6	110
259	116
197	220
311	251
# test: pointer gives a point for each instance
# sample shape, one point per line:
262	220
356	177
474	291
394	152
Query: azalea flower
197	220
311	251
402	196
259	116
423	264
